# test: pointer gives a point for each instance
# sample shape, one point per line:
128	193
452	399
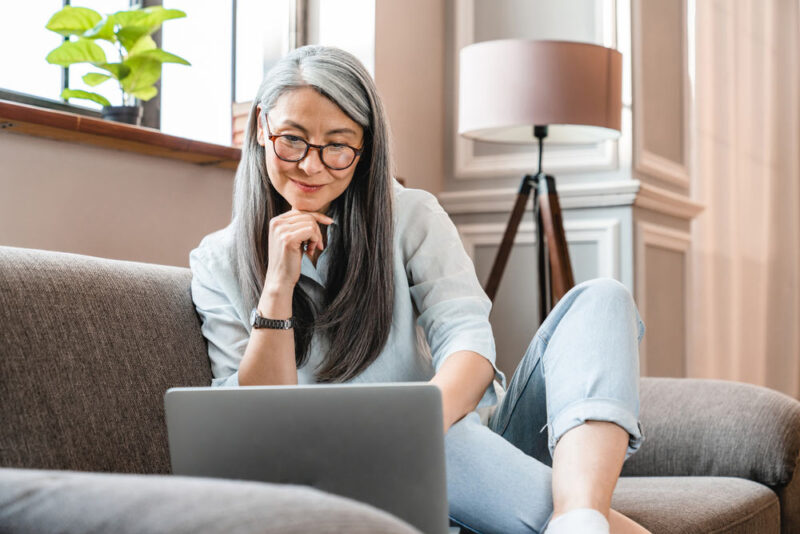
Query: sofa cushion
68	502
702	427
89	346
689	505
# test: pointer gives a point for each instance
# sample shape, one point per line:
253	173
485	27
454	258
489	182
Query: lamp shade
506	87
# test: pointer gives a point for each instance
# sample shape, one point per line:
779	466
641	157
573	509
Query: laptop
380	444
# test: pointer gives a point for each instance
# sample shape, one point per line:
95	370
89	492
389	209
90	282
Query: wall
108	203
409	65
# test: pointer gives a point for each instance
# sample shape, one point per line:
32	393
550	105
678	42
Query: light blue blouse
439	305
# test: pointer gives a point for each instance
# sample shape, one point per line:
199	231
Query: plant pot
126	114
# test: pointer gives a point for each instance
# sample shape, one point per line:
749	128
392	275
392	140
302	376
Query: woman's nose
312	163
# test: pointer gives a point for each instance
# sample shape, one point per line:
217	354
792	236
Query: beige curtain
745	320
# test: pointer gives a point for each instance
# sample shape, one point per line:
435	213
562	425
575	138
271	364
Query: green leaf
95	78
130	17
117	70
85	95
156	15
130	35
73	20
144	72
162	56
102	30
79	51
145	93
136	23
144	43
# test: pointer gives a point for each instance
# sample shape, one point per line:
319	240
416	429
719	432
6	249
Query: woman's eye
293	138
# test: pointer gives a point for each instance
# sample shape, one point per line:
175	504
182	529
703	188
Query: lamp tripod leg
499	265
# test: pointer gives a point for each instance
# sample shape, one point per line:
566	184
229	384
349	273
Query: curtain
745	313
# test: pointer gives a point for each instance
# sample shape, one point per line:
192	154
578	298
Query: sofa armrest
78	502
696	427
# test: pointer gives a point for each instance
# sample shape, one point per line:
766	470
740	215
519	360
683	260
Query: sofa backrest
88	346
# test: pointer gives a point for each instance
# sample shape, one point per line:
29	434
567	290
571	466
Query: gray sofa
89	345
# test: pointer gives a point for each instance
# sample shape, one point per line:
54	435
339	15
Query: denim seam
547	391
527	383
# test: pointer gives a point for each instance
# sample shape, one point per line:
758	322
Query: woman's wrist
276	301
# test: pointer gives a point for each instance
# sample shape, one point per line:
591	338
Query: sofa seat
689	505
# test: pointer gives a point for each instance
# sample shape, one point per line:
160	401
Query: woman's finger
296	237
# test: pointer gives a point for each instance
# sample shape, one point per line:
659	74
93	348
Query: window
26	42
196	100
231	44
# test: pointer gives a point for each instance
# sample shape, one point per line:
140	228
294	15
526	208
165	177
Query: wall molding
559	159
645	161
653	235
571	196
660	200
603	232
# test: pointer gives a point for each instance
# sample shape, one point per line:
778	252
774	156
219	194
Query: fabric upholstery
694	505
89	346
83	503
716	428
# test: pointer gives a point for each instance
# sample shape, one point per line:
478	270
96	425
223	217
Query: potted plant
139	64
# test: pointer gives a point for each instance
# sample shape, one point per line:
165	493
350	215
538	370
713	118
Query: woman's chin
303	204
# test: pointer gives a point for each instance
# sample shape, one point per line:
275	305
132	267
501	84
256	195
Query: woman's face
308	185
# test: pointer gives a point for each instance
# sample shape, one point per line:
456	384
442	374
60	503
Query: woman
337	266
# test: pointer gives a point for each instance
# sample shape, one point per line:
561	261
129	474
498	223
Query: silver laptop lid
382	444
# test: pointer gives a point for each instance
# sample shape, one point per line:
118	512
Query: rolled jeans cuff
595	409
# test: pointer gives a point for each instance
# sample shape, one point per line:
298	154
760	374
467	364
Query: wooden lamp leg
504	251
561	279
549	225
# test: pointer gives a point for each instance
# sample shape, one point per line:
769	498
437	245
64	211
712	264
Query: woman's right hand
287	233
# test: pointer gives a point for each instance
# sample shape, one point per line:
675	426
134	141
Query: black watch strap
276	324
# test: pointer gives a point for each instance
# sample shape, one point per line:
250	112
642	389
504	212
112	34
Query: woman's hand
287	233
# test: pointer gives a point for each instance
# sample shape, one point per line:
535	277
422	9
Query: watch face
253	315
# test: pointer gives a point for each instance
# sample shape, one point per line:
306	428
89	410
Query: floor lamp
522	91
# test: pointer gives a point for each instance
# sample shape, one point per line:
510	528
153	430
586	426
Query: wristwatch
278	324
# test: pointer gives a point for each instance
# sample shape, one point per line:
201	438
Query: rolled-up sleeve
453	308
225	332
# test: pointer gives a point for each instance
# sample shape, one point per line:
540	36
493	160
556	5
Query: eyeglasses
335	156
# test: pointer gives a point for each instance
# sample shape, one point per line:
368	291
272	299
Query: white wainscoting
603	233
570	196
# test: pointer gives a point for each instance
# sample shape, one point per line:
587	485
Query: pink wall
108	203
409	72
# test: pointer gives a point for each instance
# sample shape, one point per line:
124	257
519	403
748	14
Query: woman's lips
306	188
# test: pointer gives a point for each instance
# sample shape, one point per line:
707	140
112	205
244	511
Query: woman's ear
260	127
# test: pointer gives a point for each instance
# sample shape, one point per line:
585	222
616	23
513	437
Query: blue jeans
583	364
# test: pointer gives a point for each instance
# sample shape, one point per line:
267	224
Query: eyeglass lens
292	148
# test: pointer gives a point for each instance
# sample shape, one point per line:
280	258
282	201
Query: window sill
63	126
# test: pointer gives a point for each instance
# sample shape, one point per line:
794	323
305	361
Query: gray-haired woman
345	264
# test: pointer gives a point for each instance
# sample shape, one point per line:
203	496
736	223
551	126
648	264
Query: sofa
88	346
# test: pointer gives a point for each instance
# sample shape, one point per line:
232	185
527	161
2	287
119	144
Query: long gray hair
357	314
